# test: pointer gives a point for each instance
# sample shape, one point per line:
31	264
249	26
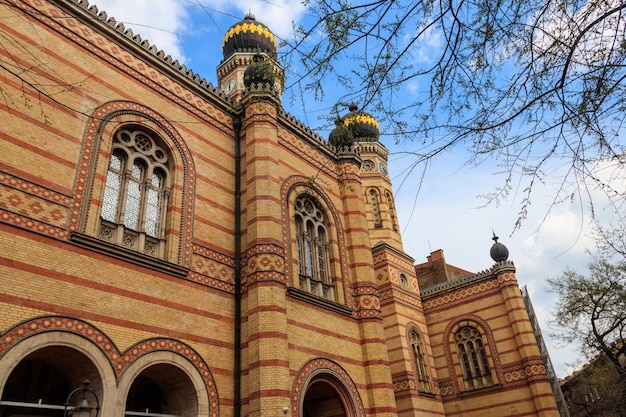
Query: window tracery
373	196
136	193
312	245
419	362
392	210
473	358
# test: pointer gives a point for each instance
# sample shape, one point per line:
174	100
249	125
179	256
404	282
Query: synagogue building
174	248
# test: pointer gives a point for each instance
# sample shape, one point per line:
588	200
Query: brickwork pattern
119	360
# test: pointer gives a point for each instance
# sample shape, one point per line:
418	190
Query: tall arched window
473	358
136	192
373	196
312	246
392	210
419	362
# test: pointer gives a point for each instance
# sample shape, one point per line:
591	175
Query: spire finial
498	252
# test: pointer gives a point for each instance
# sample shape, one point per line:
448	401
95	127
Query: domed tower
361	129
249	46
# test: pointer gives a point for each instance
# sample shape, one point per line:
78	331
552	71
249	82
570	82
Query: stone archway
162	389
41	381
324	389
322	400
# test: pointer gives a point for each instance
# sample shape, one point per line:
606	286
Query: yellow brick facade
217	315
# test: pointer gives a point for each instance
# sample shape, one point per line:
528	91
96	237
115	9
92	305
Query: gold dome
249	35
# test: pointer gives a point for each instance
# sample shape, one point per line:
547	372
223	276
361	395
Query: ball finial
498	252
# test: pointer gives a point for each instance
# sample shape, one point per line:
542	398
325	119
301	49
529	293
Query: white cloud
165	23
423	51
558	234
278	15
161	22
558	26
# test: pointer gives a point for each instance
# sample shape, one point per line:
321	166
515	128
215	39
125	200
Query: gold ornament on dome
249	28
361	118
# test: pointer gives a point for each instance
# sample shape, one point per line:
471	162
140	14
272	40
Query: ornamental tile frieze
211	282
507	278
394	294
521	374
261	109
34	207
135	67
262	263
366	302
405	386
33	225
447	389
306	152
383	258
462	295
212	265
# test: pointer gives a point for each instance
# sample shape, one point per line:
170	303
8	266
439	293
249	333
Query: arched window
392	211
136	193
404	281
312	246
373	196
473	358
418	361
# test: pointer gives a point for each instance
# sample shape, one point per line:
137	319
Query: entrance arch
38	374
324	389
162	389
164	382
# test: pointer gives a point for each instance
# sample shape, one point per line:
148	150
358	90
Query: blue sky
447	213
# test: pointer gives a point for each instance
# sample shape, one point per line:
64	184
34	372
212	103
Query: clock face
229	86
383	168
368	165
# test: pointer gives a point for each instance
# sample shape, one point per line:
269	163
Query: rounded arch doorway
162	389
323	400
324	389
40	382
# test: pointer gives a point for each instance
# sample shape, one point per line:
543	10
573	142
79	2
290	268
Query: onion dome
498	252
249	35
341	136
259	72
364	126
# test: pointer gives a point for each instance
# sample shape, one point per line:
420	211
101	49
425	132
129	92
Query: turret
250	51
361	129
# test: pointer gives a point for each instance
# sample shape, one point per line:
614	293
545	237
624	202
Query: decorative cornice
100	21
383	251
319	301
119	252
373	147
467	280
290	120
